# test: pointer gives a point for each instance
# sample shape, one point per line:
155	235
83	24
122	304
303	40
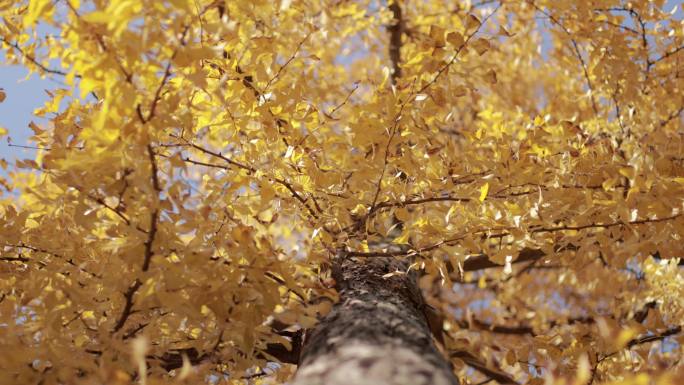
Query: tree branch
155	214
501	329
282	67
477	364
128	305
396	30
458	51
148	253
32	59
656	337
282	182
668	54
578	54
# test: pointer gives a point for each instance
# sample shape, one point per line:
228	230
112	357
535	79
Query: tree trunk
376	334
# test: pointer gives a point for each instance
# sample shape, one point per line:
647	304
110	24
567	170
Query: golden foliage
203	159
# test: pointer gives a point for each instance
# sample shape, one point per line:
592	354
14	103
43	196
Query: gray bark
376	334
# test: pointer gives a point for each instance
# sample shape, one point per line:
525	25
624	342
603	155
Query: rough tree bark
376	334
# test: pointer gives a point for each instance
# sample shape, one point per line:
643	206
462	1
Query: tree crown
201	161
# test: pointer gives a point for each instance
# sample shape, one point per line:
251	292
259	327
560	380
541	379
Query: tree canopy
200	161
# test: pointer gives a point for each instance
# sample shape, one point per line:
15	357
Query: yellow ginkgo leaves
191	196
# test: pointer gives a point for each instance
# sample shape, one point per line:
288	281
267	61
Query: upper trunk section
376	334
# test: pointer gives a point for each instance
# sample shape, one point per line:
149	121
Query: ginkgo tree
346	191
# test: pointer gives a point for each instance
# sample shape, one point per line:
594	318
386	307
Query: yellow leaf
455	39
510	358
504	32
624	337
483	191
80	340
322	308
403	238
88	314
490	77
472	23
98	17
449	213
402	214
626	172
3	95
482	282
458	91
306	321
287	317
437	34
481	46
538	120
359	210
38	9
385	76
583	370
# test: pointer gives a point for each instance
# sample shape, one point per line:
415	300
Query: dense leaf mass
200	161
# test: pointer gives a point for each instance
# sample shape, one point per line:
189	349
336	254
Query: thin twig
282	68
477	364
149	243
578	54
458	51
282	182
32	59
337	107
668	54
456	239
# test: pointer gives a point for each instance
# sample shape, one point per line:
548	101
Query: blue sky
23	96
